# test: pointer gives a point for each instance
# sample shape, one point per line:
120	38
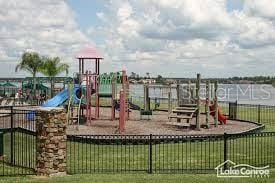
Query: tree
148	75
32	63
133	75
159	79
53	67
137	77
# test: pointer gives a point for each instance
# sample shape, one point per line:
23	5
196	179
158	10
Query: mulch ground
157	125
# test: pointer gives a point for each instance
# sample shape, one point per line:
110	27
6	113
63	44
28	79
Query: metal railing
141	153
167	154
18	145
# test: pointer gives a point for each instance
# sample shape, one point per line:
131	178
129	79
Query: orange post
125	89
121	111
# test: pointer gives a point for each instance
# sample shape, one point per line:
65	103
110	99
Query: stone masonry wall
51	142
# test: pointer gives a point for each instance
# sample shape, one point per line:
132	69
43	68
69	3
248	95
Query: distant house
170	81
148	81
133	81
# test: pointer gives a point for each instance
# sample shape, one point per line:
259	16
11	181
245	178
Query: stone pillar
51	142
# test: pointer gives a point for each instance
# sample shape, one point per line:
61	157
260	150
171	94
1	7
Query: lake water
243	93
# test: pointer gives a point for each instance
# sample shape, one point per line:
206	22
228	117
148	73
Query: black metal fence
167	154
261	114
17	141
140	153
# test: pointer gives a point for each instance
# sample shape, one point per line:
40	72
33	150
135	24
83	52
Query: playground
85	97
104	104
107	127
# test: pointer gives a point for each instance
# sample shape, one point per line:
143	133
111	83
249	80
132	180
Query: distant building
171	81
133	81
148	81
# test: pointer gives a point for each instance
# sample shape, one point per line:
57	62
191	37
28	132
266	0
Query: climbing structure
91	86
110	86
89	79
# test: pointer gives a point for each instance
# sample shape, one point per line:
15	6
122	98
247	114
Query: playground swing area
105	104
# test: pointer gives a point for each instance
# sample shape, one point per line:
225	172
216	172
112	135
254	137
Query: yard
137	178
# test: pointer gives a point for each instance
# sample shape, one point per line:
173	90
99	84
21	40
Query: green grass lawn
86	156
137	178
183	157
186	157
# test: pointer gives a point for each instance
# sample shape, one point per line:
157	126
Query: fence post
189	92
1	144
178	93
169	102
150	154
12	137
236	110
198	84
146	97
232	110
259	113
155	100
225	136
207	96
216	103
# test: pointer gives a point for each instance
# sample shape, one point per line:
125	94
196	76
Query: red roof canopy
89	52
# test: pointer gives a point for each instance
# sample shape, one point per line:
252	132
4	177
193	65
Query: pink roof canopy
89	52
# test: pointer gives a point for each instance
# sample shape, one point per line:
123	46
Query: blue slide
61	97
57	100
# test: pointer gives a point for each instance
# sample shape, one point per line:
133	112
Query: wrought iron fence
167	154
261	114
140	153
17	141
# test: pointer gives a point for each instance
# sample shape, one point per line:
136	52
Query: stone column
51	142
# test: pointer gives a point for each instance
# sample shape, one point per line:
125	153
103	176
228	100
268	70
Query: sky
217	38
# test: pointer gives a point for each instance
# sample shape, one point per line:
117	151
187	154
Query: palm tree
53	67
32	63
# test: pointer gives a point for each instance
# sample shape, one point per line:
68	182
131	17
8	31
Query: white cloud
124	11
263	8
172	37
47	27
168	37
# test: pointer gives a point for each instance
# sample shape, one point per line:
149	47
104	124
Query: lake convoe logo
231	169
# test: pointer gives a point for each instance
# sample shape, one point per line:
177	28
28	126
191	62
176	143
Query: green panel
105	95
107	78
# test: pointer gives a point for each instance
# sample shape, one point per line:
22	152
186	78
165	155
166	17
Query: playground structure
189	104
83	96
